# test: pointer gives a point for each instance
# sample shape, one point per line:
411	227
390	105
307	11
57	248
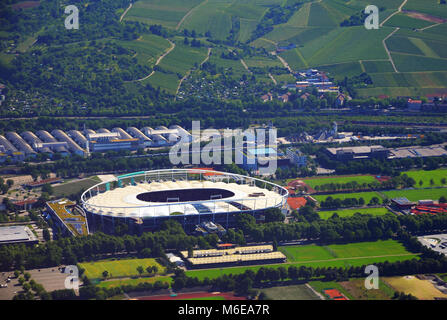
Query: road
394	13
189	13
158	61
125	12
388	52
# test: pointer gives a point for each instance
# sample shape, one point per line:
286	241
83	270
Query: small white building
175	259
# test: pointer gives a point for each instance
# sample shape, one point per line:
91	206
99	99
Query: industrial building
18	147
358	153
17	234
214	258
379	152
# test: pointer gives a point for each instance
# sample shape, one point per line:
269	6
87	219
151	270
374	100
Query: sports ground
340	256
118	268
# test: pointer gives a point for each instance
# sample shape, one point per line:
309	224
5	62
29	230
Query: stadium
143	200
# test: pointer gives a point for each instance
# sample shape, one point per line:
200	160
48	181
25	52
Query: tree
47	188
140	270
105	274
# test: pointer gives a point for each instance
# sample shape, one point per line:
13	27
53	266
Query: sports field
360	179
345	255
319	286
367	196
422	289
69	188
350	212
295	292
417	194
426	176
118	268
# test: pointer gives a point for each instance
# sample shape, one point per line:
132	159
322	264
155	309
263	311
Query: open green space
432	178
294	292
350	212
367	196
70	188
319	286
417	194
118	268
360	179
339	256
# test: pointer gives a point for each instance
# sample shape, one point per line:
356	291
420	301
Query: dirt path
394	13
188	73
388	52
125	12
158	61
189	13
245	66
273	79
285	64
433	25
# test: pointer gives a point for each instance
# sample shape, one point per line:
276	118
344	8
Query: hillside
127	59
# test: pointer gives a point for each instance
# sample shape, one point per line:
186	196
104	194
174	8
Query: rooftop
15	234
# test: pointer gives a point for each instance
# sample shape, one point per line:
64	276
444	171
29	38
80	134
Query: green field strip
426	50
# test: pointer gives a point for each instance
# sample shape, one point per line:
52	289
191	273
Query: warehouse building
215	258
17	234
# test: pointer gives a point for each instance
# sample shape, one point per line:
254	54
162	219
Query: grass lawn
295	292
417	194
134	282
422	289
367	196
344	255
118	268
68	188
339	179
350	212
426	176
356	289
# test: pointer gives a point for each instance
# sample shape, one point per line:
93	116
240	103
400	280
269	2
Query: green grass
431	7
319	286
69	188
417	194
367	196
134	282
350	212
294	292
118	268
426	176
340	256
401	20
360	179
148	48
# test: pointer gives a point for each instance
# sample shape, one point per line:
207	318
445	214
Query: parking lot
50	278
437	242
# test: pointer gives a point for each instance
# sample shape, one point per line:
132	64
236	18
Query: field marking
388	51
157	62
125	12
189	13
394	13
